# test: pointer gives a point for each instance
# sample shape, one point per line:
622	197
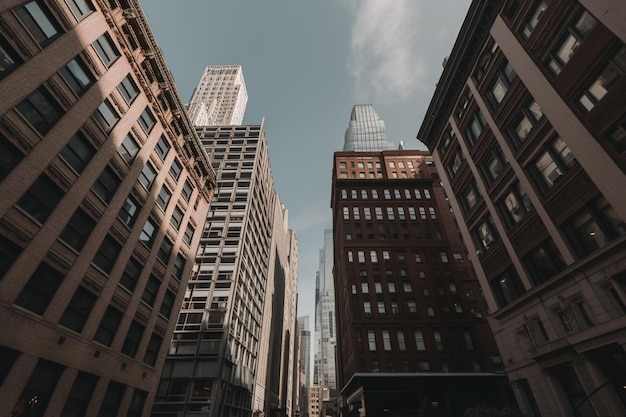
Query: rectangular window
40	385
188	236
106	50
493	164
146	120
534	18
179	266
501	84
150	292
41	198
526	118
386	340
78	229
371	340
147	175
515	204
167	304
128	89
175	169
39	22
107	254
506	287
165	250
551	164
177	218
476	127
108	326
136	403
162	147
163	197
40	289
609	76
78	152
77	76
131	274
9	59
106	185
78	310
112	400
419	340
575	34
186	191
80	395
133	337
106	116
485	234
438	340
152	351
40	110
147	233
544	261
128	149
129	211
80	8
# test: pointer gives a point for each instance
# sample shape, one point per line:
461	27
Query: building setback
527	126
411	326
105	187
234	350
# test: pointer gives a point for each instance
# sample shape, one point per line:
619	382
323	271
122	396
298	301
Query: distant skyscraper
104	190
220	98
305	348
233	350
366	131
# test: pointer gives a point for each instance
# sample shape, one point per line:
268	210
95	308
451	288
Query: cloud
384	58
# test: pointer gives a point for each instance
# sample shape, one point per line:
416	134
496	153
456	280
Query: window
551	164
419	340
476	127
163	197
438	340
147	175
469	196
9	59
534	18
128	89
128	149
150	292
453	166
147	233
129	211
364	288
112	400
506	287
8	254
186	191
464	102
167	304
162	147
40	110
108	326
152	351
501	84
177	218
485	234
77	76
80	395
165	250
131	274
80	8
179	266
40	289
401	339
569	43
412	307
106	50
107	254
544	261
594	227
355	213
514	204
367	308
106	116
188	236
78	152
386	340
77	230
146	120
175	169
106	184
10	156
493	164
41	198
608	77
525	119
40	385
133	337
361	256
371	340
78	310
39	22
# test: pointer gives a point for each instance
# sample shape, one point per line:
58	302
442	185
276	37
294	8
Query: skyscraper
105	188
233	347
305	348
220	98
527	128
366	131
411	320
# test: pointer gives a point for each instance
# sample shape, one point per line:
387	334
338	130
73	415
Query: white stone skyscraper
220	98
366	131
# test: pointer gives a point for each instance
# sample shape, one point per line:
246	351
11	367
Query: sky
305	64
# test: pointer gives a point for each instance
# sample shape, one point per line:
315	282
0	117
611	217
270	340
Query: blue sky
305	64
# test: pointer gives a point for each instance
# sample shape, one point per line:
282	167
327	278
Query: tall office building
233	350
366	131
305	349
220	98
326	317
105	188
527	127
411	326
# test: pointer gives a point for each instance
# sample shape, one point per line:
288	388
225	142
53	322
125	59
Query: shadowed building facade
105	188
527	127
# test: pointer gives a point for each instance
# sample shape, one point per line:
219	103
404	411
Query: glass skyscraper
366	131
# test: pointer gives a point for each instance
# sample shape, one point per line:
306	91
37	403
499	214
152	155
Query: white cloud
384	58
